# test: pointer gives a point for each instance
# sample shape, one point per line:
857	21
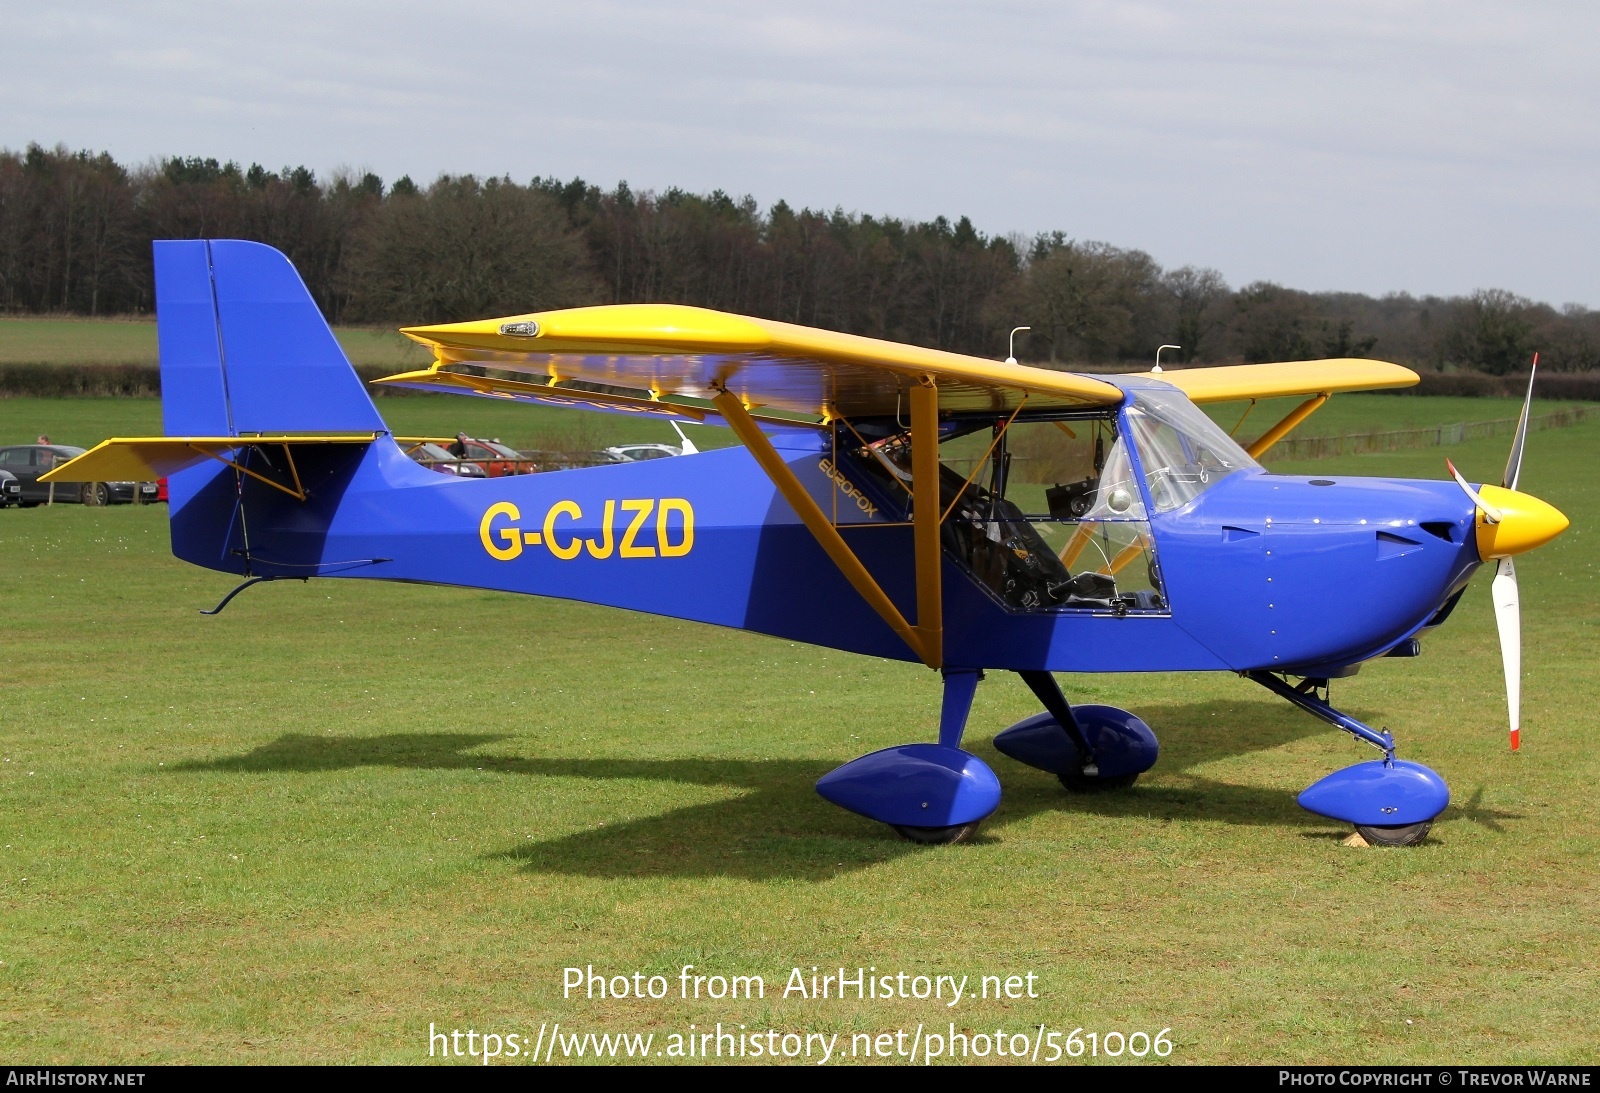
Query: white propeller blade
1507	601
1514	461
1508	618
1490	513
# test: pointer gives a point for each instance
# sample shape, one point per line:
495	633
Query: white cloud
1422	145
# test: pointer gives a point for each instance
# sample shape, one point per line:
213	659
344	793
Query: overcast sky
1420	146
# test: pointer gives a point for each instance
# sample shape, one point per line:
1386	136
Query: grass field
133	341
305	829
87	421
70	341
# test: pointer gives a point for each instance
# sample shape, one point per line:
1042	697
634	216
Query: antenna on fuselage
1157	368
1011	344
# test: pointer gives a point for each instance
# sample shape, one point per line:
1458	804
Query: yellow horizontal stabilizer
143	458
692	352
1257	381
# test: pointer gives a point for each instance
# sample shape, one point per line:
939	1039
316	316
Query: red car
438	459
496	459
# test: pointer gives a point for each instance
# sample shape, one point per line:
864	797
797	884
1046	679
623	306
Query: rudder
244	348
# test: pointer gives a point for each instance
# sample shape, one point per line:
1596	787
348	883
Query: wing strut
925	519
924	639
1293	418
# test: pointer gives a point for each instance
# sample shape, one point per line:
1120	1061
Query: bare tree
1081	295
466	249
1197	296
1492	332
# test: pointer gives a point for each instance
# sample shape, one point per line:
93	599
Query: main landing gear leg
1048	692
1391	802
929	793
1088	748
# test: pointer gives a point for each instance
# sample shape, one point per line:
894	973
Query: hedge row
144	381
1579	386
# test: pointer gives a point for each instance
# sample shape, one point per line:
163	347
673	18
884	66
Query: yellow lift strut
926	638
1294	417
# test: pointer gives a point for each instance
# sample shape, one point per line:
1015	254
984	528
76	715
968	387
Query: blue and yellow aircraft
887	500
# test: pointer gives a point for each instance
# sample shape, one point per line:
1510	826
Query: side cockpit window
1045	513
1184	452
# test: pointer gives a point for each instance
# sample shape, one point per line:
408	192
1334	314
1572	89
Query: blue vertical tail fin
244	348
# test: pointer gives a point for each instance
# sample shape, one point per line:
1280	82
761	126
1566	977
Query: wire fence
1432	436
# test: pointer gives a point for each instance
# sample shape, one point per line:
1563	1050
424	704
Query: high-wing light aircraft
887	500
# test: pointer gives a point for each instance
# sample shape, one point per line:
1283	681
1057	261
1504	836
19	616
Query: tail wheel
936	836
95	493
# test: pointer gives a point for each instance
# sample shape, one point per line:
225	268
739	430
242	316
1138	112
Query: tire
1075	782
1398	835
95	493
936	836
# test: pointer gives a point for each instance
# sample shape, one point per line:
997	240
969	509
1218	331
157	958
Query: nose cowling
1525	523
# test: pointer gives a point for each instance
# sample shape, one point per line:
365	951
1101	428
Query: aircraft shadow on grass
777	827
1475	811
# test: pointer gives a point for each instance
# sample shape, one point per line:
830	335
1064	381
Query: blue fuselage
1260	571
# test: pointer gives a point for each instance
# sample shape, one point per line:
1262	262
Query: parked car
10	489
633	453
496	459
28	461
553	460
436	458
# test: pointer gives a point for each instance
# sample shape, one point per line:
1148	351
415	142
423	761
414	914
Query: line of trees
75	232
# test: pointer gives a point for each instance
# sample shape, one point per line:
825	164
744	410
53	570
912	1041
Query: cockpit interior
1048	511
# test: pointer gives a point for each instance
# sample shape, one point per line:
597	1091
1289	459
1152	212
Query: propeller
1490	513
1508	620
1507	600
1512	523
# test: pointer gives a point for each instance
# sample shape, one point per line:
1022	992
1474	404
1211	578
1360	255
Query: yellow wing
1315	379
667	351
1257	381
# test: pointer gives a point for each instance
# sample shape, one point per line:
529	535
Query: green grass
305	829
1365	413
88	421
133	341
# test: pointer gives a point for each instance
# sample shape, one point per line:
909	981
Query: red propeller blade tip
1516	739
